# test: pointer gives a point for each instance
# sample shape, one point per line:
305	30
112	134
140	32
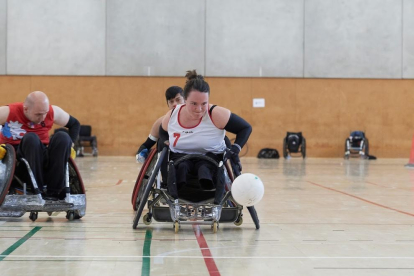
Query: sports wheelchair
294	142
356	145
194	205
18	196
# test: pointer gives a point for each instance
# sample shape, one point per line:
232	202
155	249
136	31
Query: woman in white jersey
198	127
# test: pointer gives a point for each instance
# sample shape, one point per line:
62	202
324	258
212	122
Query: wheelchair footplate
17	205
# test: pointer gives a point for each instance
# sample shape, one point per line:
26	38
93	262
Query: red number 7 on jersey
177	136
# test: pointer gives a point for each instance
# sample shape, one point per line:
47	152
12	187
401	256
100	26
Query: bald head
36	98
36	106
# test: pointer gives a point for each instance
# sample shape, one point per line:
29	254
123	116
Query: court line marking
119	182
137	257
14	246
208	257
146	252
360	198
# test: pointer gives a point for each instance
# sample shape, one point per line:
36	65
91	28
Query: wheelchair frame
163	208
361	151
16	205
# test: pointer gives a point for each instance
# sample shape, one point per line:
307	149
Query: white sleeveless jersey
200	139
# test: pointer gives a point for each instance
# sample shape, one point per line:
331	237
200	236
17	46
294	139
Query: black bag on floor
268	153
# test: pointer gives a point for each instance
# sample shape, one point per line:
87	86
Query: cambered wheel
147	219
142	179
366	147
285	150
303	147
33	216
147	189
254	216
176	227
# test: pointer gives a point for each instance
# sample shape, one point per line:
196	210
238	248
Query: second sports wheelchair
294	142
19	192
356	145
194	205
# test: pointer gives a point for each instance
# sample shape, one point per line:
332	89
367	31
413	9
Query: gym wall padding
122	110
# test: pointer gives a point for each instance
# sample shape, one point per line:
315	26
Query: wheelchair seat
294	142
86	140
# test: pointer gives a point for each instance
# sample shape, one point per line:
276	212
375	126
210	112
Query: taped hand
142	155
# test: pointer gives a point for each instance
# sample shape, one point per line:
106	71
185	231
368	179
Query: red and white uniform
200	139
18	125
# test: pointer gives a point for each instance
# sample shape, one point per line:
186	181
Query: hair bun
191	75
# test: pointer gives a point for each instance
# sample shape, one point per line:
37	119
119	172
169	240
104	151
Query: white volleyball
247	189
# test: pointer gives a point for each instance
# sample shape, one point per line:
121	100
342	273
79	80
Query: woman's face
197	104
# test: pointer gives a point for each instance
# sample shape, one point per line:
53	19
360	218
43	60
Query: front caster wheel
147	219
33	216
239	221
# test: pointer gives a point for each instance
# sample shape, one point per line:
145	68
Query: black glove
233	155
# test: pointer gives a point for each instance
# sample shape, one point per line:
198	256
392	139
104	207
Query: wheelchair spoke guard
7	166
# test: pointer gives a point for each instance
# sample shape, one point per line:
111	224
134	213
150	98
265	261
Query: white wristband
153	138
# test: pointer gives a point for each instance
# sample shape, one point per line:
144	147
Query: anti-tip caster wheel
70	215
239	221
33	216
176	227
147	219
215	226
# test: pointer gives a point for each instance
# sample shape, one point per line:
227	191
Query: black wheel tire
254	216
346	148
303	147
148	188
366	148
285	150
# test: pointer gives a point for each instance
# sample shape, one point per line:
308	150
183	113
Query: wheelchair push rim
140	178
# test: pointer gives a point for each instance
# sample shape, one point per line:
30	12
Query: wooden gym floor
318	217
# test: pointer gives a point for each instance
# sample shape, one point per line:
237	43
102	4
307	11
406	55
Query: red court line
360	198
119	182
208	257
